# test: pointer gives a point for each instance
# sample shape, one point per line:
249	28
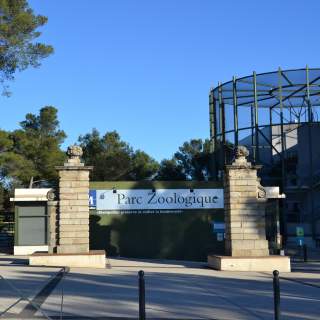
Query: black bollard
276	294
142	301
305	253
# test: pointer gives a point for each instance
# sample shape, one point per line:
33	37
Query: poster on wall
153	201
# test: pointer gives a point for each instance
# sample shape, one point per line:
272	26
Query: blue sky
144	68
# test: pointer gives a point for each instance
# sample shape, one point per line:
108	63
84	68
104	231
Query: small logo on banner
92	199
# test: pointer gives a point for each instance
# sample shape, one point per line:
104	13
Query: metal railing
34	305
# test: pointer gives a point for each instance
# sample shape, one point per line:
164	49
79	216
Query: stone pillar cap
240	161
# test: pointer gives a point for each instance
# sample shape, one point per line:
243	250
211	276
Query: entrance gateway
243	198
157	219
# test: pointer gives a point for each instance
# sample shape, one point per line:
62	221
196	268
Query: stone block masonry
69	219
73	235
244	200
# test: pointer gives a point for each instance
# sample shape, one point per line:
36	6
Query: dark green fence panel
186	236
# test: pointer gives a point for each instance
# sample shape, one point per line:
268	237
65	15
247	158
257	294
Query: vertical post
305	253
215	124
308	94
62	291
256	126
271	134
213	134
281	128
283	168
276	294
142	302
310	121
52	207
211	119
252	136
278	240
220	109
224	133
235	112
222	124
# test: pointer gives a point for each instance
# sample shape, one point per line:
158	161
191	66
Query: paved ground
174	290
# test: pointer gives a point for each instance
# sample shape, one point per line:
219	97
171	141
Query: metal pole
305	253
235	112
310	120
256	116
211	120
215	125
224	133
252	137
281	121
213	134
62	294
308	92
212	156
222	124
142	302
276	294
283	168
220	108
271	134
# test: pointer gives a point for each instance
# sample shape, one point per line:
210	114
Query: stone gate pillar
246	247
69	219
73	204
244	200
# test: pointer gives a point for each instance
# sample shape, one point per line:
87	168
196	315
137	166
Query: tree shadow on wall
139	235
166	236
100	236
199	241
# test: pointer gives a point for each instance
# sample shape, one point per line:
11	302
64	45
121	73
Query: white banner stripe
161	199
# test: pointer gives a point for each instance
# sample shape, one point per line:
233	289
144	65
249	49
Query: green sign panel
299	232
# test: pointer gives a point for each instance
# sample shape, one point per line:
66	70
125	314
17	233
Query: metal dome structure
267	99
267	112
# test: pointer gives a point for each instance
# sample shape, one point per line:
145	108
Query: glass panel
268	80
313	75
32	231
27	211
294	76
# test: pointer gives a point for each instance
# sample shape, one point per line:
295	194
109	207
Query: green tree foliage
33	150
114	159
171	170
190	162
18	31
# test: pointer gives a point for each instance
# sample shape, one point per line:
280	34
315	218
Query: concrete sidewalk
174	290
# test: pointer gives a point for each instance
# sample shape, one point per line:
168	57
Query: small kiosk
31	221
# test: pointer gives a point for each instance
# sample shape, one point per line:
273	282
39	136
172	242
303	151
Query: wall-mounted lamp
191	190
153	190
114	190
